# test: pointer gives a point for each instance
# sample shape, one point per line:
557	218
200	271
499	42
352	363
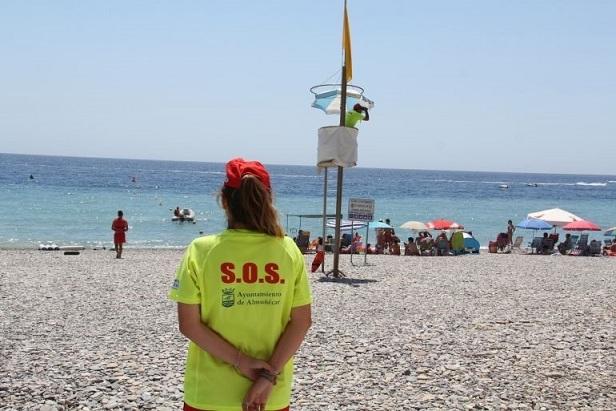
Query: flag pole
324	217
346	65
336	271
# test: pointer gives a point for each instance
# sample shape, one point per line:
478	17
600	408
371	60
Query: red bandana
238	168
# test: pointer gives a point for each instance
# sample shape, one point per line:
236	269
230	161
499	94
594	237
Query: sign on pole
361	209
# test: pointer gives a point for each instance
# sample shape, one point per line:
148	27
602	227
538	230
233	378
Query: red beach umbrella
443	224
581	225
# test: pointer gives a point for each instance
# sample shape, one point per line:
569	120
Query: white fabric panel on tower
337	147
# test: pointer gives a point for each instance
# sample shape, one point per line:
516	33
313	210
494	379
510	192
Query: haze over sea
73	200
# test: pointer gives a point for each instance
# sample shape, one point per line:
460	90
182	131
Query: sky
523	86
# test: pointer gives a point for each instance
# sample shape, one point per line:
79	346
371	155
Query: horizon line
307	165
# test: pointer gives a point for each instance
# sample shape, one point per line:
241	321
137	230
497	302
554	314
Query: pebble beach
90	332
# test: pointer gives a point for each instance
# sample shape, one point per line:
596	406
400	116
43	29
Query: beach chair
535	245
442	247
607	246
547	246
346	240
502	241
329	244
595	248
581	248
517	244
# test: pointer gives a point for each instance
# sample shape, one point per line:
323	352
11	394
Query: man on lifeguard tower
359	113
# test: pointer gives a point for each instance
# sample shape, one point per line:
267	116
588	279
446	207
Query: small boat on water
184	214
503	186
532	185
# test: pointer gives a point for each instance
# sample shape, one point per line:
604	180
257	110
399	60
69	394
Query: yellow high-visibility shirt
246	283
352	118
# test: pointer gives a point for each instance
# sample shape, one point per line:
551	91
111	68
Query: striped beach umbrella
414	226
443	224
327	98
581	225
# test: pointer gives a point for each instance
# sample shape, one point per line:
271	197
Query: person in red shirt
119	227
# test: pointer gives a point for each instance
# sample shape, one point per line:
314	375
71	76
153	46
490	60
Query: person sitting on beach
356	243
370	249
546	244
359	113
395	248
425	242
566	245
442	244
410	248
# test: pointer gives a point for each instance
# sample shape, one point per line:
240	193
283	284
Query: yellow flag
346	45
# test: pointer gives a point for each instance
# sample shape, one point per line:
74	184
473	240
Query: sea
72	200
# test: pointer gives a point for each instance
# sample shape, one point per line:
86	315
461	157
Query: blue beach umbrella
375	225
534	224
378	224
327	98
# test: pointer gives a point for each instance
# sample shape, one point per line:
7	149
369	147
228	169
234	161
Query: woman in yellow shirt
243	302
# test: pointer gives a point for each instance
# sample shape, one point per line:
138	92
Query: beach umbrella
347	225
375	225
414	226
610	232
327	97
555	216
379	224
443	224
581	225
533	224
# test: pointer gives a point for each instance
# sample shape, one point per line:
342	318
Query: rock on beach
90	332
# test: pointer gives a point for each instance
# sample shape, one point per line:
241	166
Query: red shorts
119	237
189	408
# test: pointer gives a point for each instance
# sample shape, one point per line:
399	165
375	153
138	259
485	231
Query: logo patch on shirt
176	284
228	297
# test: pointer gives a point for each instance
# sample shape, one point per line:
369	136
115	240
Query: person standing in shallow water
119	227
244	302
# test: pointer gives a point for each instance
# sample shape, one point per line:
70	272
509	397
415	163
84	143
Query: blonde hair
251	206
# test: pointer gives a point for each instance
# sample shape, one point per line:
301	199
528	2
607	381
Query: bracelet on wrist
263	373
